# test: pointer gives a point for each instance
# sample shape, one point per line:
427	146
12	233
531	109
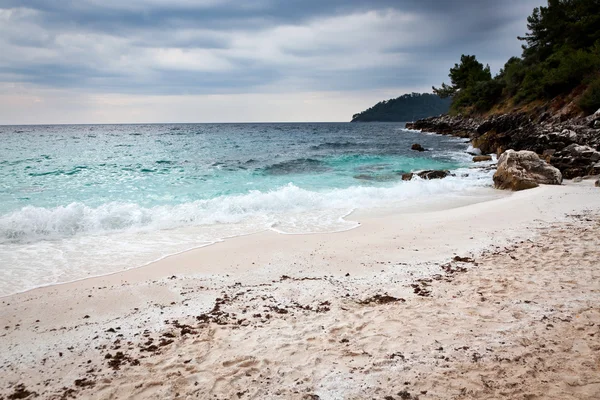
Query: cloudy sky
111	61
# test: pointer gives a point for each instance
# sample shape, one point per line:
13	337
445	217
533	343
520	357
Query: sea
86	200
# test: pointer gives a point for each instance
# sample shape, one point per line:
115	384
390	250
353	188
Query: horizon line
199	123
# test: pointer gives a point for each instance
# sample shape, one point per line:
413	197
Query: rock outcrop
433	174
482	158
577	160
520	170
429	174
570	145
446	125
417	147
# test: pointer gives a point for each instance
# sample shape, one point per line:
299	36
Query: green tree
464	75
545	25
561	53
571	23
512	75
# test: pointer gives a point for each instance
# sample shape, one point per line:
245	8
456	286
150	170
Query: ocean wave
31	224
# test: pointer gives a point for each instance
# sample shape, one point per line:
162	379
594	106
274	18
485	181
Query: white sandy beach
382	311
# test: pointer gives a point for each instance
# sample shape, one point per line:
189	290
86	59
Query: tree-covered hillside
561	56
408	107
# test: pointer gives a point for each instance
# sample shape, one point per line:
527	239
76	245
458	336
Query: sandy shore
499	299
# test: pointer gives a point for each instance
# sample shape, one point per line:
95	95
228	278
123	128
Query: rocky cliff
570	145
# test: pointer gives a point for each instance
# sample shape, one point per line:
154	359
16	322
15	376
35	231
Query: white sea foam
473	150
74	239
31	224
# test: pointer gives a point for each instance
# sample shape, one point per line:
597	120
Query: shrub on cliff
590	101
566	69
558	74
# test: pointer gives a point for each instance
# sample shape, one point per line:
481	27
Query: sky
150	61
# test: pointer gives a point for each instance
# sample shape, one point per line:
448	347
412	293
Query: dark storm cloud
226	46
121	16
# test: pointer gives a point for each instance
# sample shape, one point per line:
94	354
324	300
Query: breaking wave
31	224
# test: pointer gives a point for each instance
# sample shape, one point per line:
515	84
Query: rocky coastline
570	145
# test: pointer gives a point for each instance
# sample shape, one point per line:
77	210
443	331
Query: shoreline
73	249
365	219
449	201
209	296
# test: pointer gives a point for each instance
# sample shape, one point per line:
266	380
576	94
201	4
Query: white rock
519	170
577	150
569	134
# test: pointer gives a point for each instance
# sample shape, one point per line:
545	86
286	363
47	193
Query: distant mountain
408	107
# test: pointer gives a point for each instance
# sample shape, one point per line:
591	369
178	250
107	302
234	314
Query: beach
300	200
488	299
146	192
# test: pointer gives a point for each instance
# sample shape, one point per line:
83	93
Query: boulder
433	174
520	170
582	151
429	174
576	160
482	158
417	147
597	184
569	134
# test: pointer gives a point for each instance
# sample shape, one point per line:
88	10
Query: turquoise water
69	194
